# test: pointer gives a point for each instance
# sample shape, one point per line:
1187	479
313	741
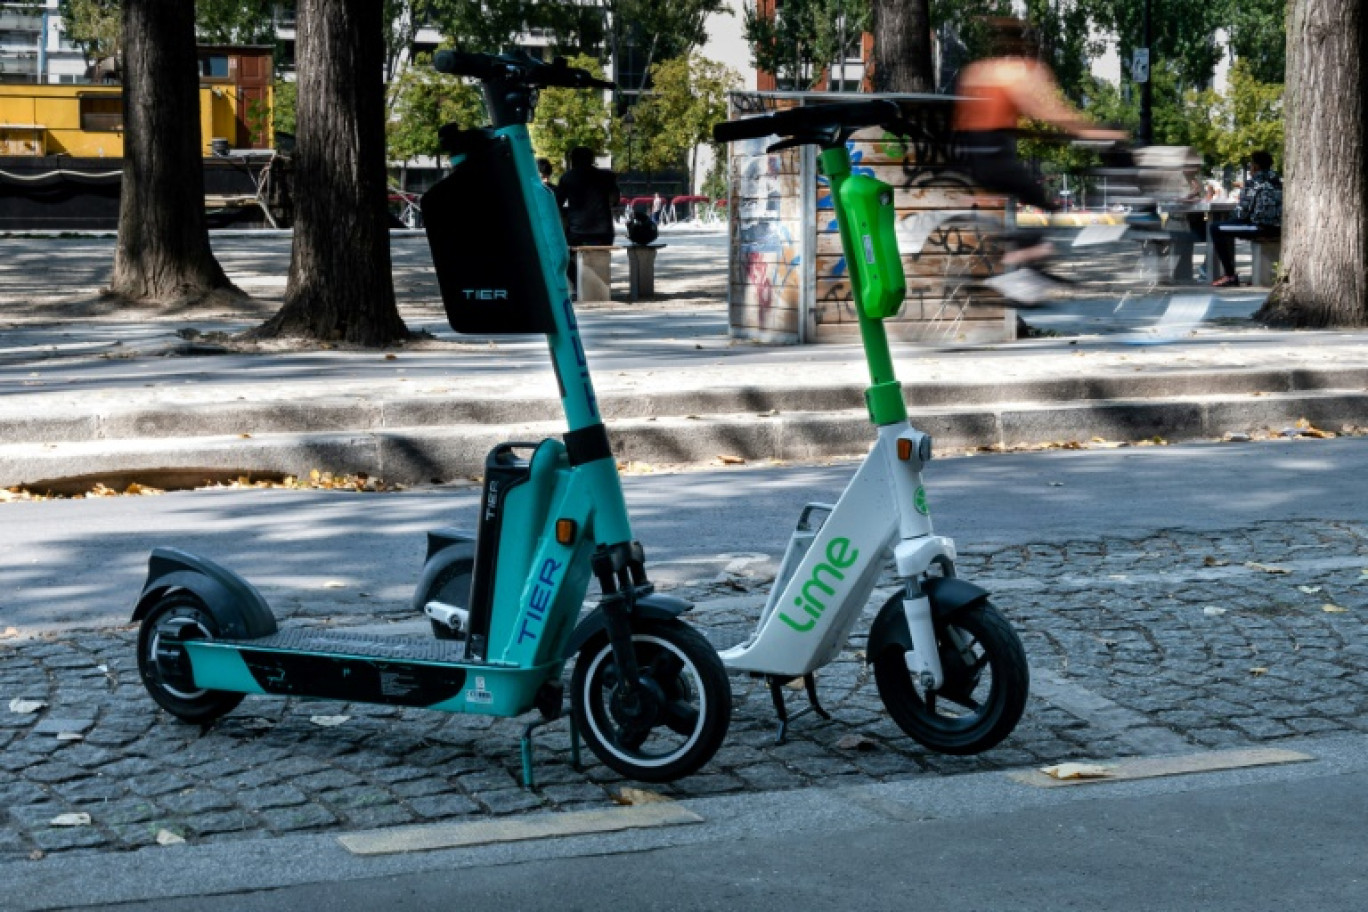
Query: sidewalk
105	397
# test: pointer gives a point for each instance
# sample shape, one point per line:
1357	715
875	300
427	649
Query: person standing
588	195
1257	215
657	208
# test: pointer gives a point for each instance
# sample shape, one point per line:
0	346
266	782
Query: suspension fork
924	658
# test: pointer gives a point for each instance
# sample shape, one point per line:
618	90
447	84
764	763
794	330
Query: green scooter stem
883	397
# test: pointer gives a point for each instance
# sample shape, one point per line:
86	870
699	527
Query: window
214	66
102	113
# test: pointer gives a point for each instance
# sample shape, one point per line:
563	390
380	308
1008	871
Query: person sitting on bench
1258	215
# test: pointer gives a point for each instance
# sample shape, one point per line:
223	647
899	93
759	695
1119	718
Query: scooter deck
359	645
367	668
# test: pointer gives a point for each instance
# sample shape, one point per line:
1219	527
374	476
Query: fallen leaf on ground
856	743
632	796
1076	771
70	820
166	838
1329	608
25	707
1266	568
328	721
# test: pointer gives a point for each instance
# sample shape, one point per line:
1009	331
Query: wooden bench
641	270
593	274
1266	252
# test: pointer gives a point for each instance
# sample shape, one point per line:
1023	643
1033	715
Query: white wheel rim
605	738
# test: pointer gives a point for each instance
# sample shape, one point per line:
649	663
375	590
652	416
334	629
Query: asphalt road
80	563
1276	838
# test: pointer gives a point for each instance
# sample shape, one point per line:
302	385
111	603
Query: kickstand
781	710
529	780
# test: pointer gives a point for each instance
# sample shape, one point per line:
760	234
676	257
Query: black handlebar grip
745	128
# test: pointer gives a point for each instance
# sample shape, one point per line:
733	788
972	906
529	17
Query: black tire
683	670
451	587
981	701
165	670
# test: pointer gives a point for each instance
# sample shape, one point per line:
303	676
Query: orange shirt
1001	91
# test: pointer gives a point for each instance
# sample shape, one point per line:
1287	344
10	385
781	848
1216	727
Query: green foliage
1249	117
94	26
235	21
567	118
650	31
283	109
421	100
797	44
1258	37
688	96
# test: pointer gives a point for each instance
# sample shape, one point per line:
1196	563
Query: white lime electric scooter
949	668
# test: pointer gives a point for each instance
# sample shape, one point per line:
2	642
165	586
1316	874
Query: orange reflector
904	449
565	531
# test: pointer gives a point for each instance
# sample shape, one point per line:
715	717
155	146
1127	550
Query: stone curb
446	451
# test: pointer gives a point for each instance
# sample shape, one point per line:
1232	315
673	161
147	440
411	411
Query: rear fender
653	607
445	548
238	609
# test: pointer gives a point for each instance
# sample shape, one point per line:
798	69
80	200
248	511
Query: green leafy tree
645	32
1258	36
1227	128
688	96
235	21
421	101
94	26
283	108
799	42
567	118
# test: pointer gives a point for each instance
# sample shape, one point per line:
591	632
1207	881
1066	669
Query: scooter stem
883	397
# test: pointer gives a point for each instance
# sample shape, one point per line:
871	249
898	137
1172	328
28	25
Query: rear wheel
683	708
986	683
164	665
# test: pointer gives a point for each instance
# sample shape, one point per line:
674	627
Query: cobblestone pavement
1172	642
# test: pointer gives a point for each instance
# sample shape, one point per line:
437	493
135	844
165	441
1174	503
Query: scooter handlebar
810	121
520	68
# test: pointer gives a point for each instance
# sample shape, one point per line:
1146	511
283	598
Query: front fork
621	573
923	659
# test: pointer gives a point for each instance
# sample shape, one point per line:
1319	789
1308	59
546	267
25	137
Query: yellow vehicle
86	121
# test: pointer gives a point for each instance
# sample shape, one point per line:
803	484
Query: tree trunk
163	253
340	287
902	46
1323	274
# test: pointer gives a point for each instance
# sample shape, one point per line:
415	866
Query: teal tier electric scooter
648	693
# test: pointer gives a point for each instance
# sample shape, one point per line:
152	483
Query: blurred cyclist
997	93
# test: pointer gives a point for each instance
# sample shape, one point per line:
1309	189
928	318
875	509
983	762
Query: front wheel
684	703
164	665
986	682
